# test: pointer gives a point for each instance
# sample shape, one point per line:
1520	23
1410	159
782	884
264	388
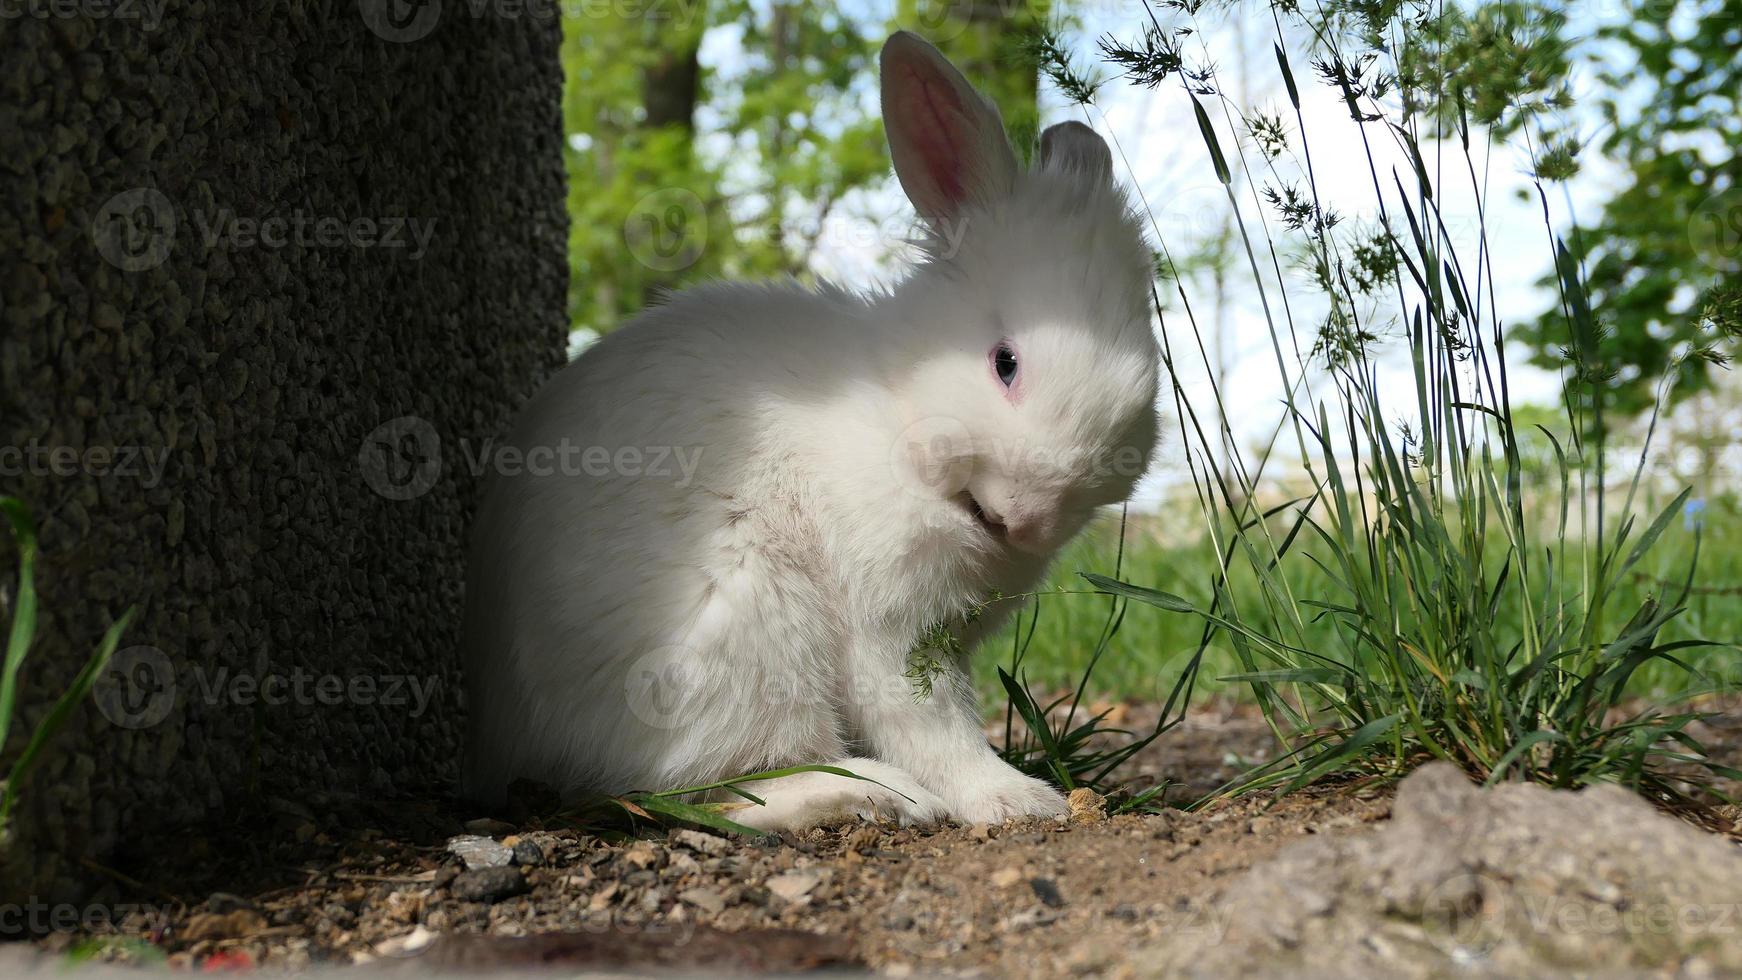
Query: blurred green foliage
787	131
1662	259
716	138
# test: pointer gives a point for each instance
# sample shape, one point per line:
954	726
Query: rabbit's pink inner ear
933	125
945	139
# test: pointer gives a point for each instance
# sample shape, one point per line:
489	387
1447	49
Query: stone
701	843
793	886
1047	891
706	899
480	852
1517	880
488	884
643	854
527	853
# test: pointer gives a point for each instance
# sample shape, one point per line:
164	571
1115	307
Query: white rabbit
842	472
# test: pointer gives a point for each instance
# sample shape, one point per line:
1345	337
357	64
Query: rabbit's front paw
997	793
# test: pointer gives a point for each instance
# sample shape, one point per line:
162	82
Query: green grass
21	634
1145	658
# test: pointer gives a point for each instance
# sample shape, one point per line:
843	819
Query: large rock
1514	881
238	239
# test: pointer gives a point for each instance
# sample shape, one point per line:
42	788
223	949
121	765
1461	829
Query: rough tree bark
269	276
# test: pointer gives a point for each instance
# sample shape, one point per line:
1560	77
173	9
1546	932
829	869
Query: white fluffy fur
634	631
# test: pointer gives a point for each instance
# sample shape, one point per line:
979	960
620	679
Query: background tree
1661	259
681	169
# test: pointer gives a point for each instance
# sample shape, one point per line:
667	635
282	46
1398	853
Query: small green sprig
939	643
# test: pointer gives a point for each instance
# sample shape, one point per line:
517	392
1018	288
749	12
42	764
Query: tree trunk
269	274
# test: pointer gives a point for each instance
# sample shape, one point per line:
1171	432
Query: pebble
793	885
705	899
701	843
643	854
1087	806
1005	877
1047	891
480	852
601	899
411	942
527	853
1030	918
488	884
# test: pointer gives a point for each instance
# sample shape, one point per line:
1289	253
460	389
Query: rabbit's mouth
988	523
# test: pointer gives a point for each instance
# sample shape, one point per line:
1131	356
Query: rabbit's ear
946	139
1071	147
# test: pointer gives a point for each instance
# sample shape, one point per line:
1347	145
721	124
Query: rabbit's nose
1028	521
1029	531
1024	517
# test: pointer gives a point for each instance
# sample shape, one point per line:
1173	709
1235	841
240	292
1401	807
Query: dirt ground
346	881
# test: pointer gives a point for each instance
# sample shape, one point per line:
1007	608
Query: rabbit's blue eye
1004	362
